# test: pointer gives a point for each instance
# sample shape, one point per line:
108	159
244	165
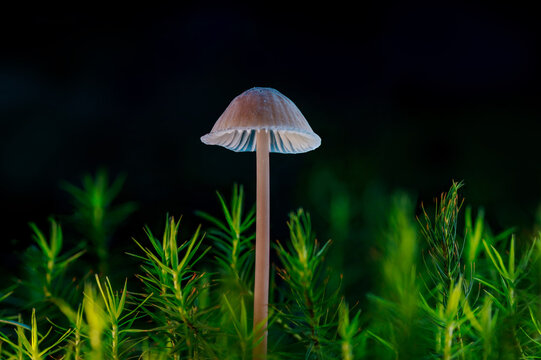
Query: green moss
447	287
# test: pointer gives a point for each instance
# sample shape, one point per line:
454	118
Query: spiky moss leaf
169	274
311	314
233	237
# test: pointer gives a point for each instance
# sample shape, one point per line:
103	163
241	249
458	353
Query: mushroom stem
262	246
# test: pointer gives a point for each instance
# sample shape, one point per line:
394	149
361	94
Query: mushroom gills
281	140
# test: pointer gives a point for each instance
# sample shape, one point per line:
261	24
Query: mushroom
262	120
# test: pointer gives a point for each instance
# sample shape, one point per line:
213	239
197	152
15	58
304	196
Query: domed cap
263	109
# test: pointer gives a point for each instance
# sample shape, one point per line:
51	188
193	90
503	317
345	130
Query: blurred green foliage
95	216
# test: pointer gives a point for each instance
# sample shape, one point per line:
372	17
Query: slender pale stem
262	246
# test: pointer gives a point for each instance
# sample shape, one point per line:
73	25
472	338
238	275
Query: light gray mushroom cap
263	109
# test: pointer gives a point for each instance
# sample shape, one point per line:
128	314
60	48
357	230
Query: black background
405	96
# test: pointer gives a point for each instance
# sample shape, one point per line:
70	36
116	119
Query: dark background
404	96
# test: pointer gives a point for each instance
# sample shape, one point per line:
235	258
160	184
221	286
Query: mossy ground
447	287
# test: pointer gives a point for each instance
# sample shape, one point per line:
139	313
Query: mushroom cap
263	109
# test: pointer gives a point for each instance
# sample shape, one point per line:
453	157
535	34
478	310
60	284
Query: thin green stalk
77	331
